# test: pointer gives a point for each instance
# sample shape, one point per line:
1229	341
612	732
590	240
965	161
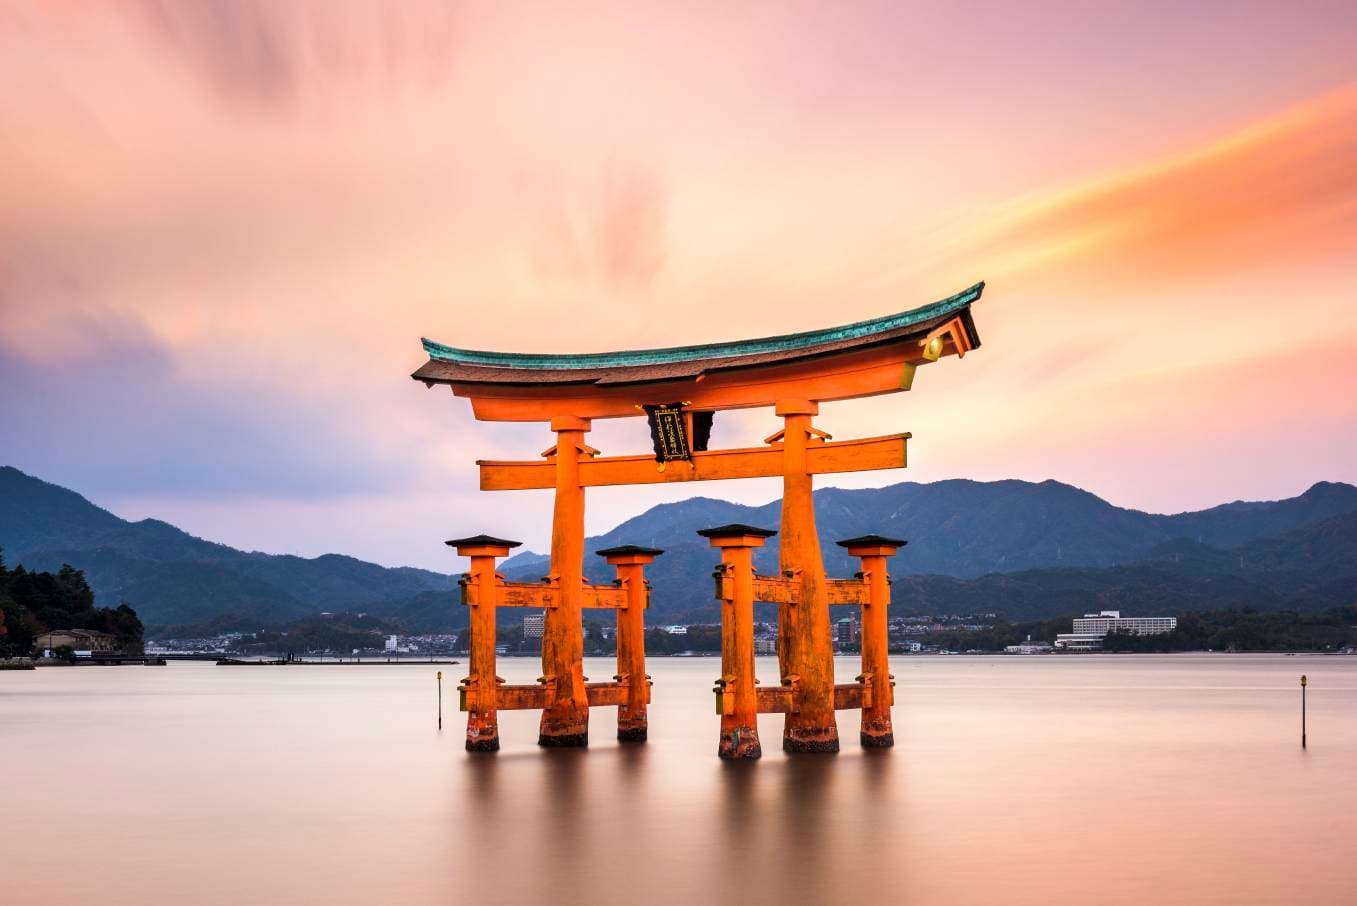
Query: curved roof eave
862	331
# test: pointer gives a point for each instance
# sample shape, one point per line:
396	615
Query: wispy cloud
267	56
630	234
1281	186
607	231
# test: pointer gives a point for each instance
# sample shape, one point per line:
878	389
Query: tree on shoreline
32	603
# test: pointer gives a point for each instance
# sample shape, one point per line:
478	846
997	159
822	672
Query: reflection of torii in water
793	373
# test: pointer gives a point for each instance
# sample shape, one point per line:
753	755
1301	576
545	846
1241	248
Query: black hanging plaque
668	432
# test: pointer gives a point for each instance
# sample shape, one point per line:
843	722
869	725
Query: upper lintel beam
861	373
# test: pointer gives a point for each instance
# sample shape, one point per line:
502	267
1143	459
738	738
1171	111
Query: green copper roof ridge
624	358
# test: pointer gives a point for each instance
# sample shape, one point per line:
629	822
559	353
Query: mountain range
170	576
1025	549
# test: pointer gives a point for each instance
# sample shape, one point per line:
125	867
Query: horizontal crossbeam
787	590
602	695
776	700
537	697
846	591
545	596
822	458
850	696
776	590
782	699
504	697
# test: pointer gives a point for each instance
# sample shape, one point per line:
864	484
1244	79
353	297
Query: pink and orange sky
225	225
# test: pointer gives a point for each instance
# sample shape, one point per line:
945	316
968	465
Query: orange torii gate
679	390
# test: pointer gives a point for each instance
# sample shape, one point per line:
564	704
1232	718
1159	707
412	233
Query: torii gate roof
451	365
856	360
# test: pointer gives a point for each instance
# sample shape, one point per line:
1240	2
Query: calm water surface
1014	780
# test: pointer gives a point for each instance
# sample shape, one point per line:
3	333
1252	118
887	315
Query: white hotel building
1091	628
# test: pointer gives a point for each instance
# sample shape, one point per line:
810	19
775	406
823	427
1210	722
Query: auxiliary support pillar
630	562
873	551
736	692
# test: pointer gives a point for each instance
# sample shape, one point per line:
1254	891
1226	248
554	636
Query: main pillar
480	687
874	550
565	721
737	697
630	562
805	650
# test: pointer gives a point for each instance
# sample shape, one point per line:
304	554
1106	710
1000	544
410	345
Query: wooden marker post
478	690
630	562
736	691
879	692
1302	710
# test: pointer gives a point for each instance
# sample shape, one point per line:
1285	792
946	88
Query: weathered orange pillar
874	550
565	721
478	690
737	699
805	650
630	562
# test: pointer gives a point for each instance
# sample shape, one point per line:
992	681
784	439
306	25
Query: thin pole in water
440	699
1302	710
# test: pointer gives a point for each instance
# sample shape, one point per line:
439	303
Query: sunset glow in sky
224	227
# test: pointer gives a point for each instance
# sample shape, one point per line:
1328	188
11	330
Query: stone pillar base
811	739
877	733
568	731
563	741
740	743
487	740
632	730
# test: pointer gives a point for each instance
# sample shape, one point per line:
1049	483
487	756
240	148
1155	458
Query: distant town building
675	630
846	631
1028	647
77	639
1092	628
534	624
1112	621
765	646
392	642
